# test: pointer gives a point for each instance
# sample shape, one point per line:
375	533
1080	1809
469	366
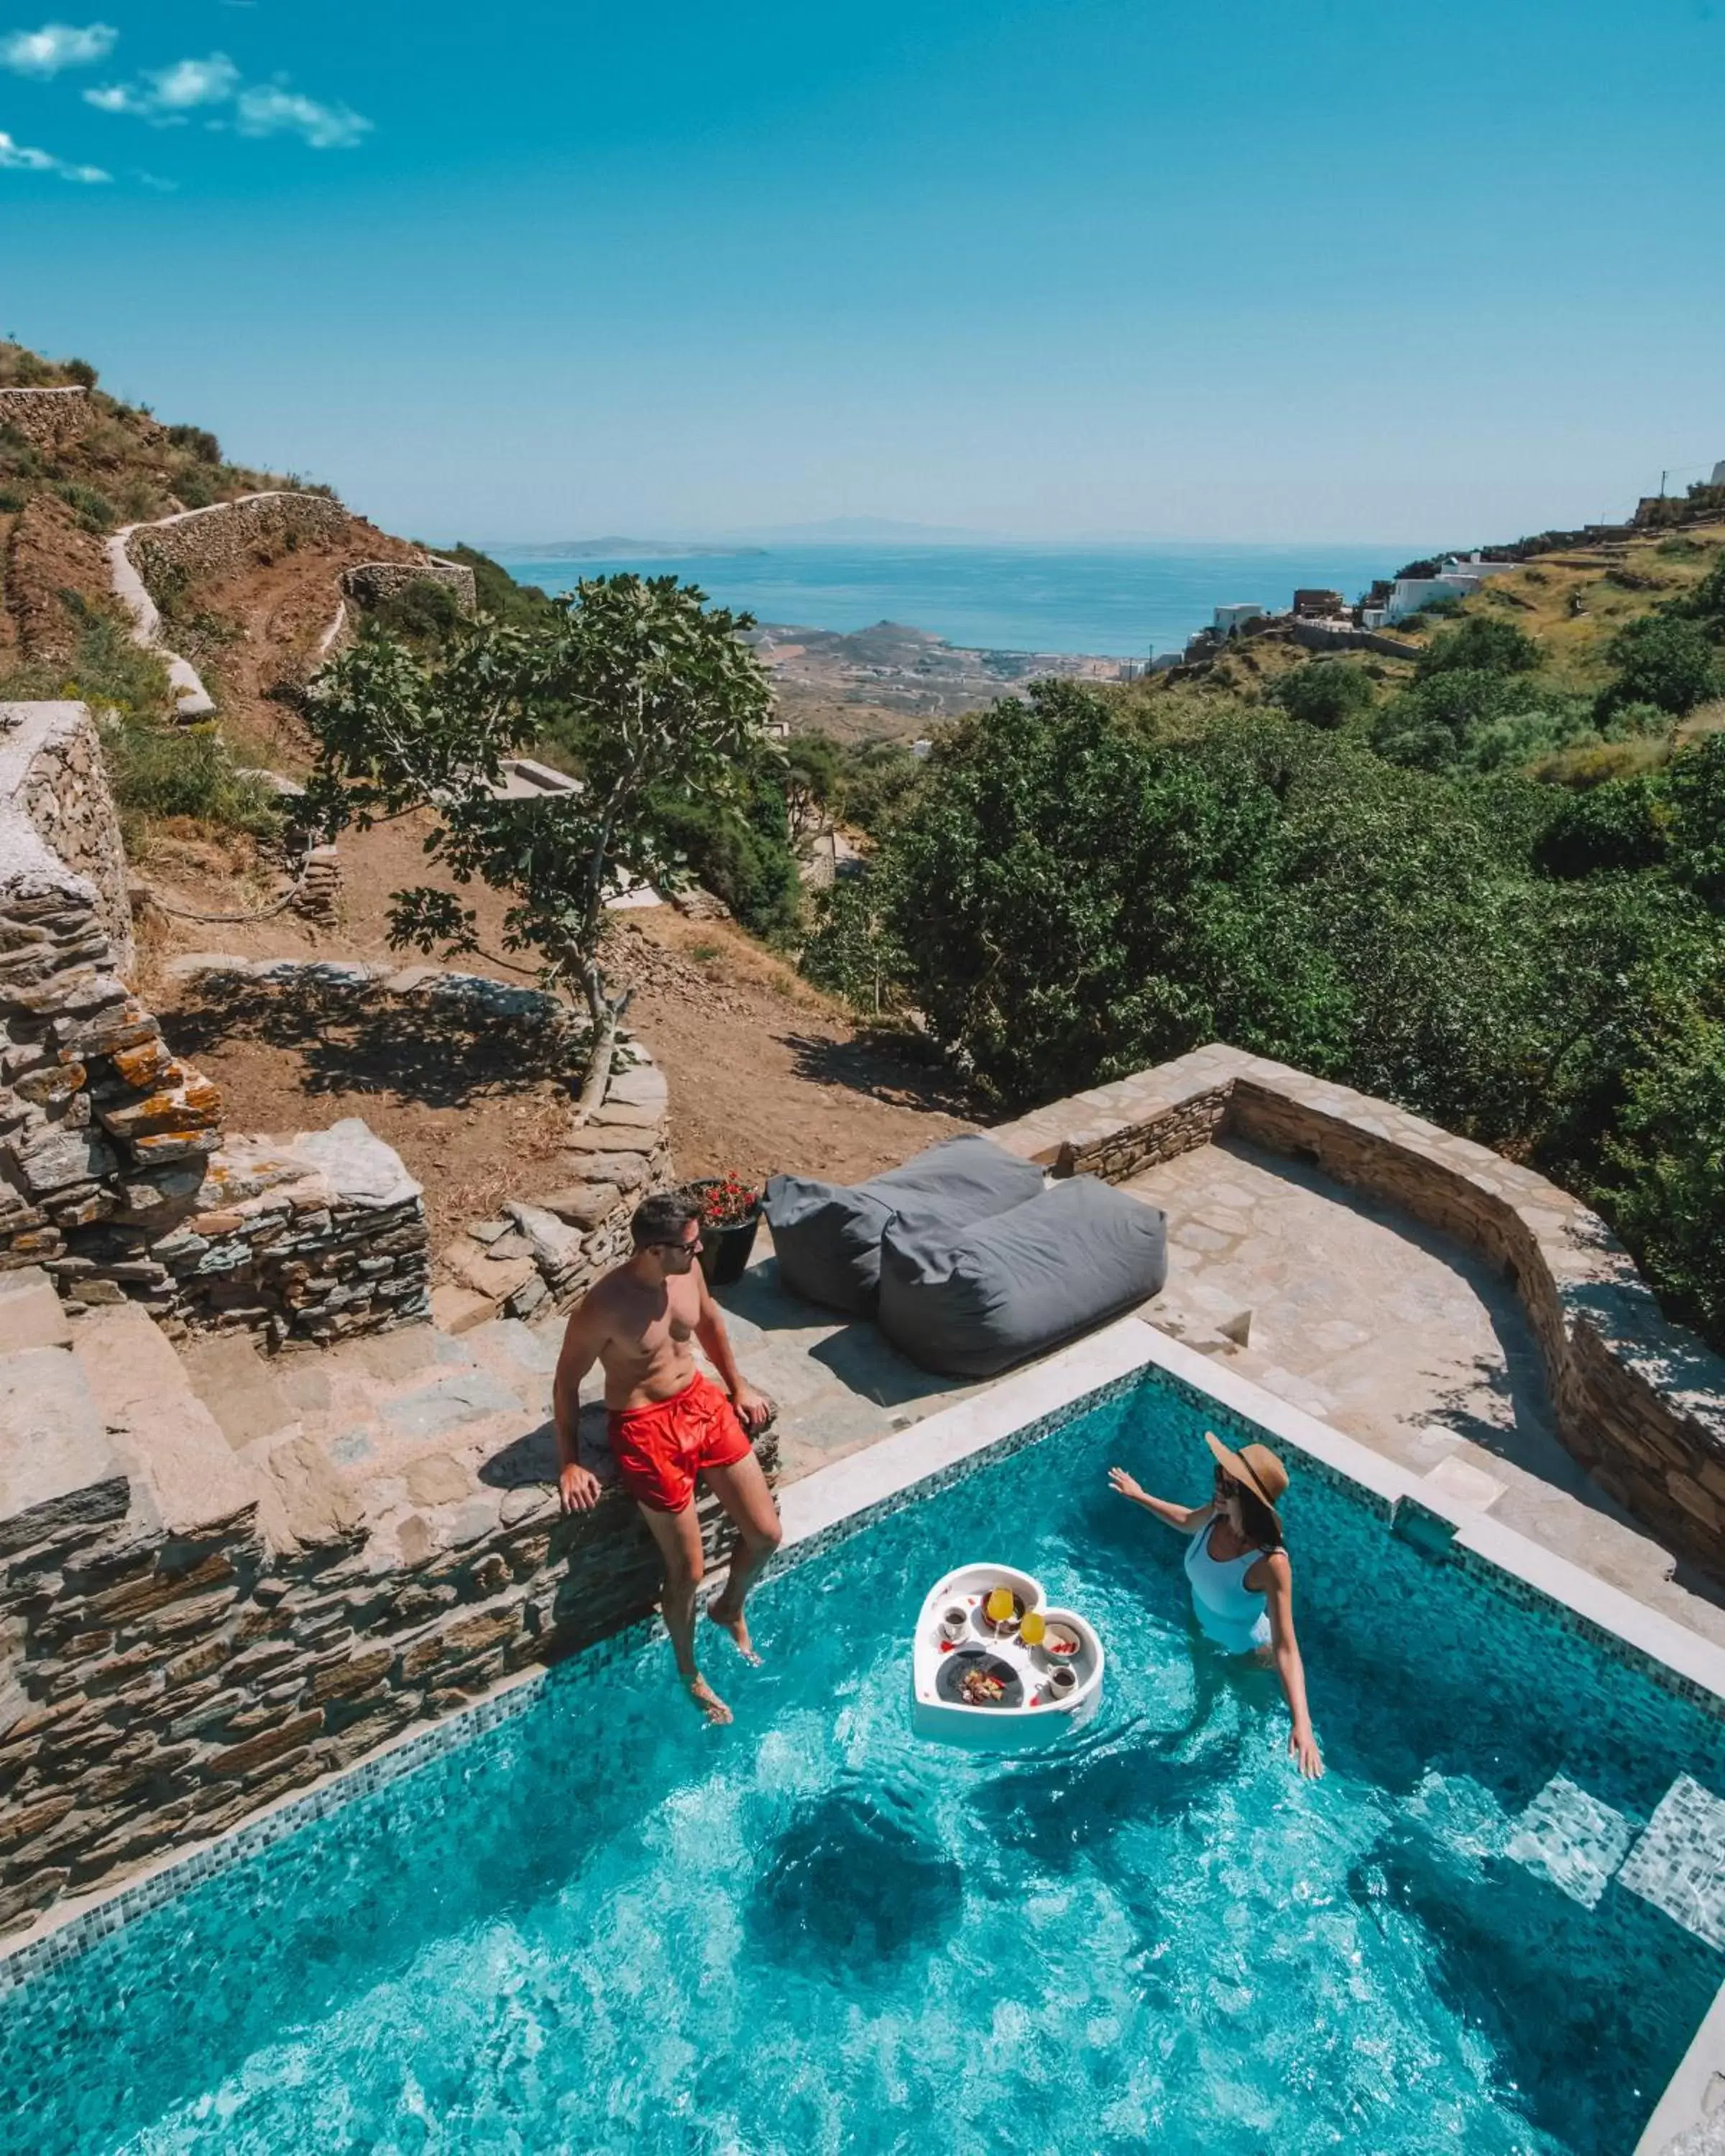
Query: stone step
175	1447
57	1468
31	1312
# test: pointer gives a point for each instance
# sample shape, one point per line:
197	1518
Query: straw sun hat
1256	1468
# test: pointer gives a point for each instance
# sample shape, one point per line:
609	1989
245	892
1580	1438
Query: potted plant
730	1214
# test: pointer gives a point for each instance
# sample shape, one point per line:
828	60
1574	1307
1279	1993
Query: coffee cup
955	1621
1062	1681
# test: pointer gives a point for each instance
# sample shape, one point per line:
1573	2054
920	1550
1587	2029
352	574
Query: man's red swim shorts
659	1448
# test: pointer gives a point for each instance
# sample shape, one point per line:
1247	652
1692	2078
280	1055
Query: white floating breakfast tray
956	1642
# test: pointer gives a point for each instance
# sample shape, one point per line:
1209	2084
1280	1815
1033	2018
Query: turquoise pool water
599	1926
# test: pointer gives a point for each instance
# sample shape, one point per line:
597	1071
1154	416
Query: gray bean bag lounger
827	1235
971	1300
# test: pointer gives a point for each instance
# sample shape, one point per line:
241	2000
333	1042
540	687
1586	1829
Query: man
669	1422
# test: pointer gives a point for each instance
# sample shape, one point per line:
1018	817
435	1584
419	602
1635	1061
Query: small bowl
1061	1643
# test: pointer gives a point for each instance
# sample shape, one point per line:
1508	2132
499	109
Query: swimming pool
597	1925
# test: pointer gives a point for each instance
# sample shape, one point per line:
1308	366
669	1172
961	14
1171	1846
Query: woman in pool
1242	1583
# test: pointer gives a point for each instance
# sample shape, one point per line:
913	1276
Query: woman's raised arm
1188	1518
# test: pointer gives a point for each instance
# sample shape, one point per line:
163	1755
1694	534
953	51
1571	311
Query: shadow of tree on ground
433	1053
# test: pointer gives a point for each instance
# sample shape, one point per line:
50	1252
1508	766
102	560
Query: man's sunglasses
697	1245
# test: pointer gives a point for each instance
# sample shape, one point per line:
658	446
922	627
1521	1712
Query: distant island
615	549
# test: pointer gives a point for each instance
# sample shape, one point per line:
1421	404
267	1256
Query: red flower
726	1201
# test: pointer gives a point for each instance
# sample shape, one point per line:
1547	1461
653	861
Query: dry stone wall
112	1176
46	419
1639	1402
367	582
218	540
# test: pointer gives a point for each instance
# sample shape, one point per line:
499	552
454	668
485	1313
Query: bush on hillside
1663	1187
159	772
1615	828
1479	644
1660	659
742	853
1694	790
1325	692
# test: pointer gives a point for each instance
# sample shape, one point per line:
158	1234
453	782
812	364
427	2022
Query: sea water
1115	601
602	1926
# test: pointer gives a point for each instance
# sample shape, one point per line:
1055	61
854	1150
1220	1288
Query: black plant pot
725	1251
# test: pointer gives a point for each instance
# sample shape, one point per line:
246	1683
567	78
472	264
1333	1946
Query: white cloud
19	158
274	110
168	97
56	45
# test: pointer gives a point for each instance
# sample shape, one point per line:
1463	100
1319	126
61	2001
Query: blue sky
1249	269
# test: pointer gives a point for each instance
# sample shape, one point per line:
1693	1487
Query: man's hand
578	1488
754	1410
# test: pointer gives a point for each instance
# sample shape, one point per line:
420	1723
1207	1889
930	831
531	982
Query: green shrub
1615	828
197	442
1479	644
1325	692
1660	659
95	512
105	668
423	611
852	951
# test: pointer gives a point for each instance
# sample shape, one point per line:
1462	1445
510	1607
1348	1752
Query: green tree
651	693
853	952
1074	901
1325	692
1661	659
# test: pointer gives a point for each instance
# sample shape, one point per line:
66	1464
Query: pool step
1572	1840
1679	1863
1578	1845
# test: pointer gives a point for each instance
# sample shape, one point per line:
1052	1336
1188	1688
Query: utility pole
1663	477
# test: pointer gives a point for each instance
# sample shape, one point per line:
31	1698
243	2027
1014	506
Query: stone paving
1397	1336
1387	1330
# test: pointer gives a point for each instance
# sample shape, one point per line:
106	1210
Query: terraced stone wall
1639	1402
225	537
112	1176
46	419
366	582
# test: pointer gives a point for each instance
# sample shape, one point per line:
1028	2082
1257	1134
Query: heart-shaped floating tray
976	1682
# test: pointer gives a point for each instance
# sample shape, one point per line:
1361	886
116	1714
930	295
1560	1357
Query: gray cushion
969	1303
827	1235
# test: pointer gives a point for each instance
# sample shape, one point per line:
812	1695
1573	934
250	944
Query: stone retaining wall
545	1249
217	541
172	1657
366	582
46	419
1639	1402
51	770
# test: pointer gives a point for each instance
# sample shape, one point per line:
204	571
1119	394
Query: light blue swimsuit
1226	1609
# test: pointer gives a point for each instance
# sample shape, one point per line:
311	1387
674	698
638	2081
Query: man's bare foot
736	1625
707	1700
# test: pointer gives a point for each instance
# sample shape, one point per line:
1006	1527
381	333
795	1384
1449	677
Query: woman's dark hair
1257	1521
662	1217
